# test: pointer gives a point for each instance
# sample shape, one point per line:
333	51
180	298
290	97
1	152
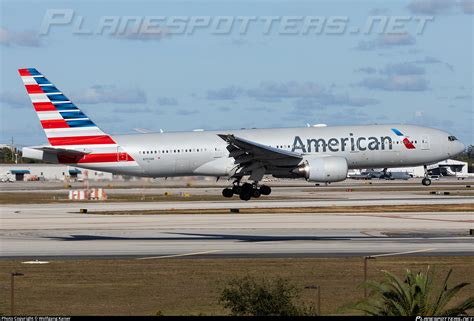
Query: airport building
49	172
449	167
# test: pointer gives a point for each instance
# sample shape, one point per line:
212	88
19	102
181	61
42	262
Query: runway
37	231
44	233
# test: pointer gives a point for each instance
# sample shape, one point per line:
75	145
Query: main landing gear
246	191
426	181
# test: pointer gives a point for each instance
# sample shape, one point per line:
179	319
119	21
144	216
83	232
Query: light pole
12	300
373	257
316	287
366	258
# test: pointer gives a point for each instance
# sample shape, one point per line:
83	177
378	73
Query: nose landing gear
426	181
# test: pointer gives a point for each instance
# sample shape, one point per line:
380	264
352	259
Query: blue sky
179	82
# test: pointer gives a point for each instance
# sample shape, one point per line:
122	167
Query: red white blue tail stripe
65	125
62	121
406	141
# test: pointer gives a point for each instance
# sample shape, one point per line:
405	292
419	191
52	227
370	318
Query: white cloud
387	41
227	93
167	101
436	7
22	39
404	68
15	99
367	70
293	89
431	6
99	94
307	93
396	83
155	34
467	6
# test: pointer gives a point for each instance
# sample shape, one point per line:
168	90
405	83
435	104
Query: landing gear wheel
247	188
265	190
227	192
245	196
237	189
246	192
256	193
426	181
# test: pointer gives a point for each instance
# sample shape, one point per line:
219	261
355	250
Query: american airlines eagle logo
408	144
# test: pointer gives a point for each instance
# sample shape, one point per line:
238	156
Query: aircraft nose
460	148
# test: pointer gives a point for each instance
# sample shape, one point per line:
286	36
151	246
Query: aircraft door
425	142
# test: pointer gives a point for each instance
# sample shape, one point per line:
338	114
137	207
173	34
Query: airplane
317	154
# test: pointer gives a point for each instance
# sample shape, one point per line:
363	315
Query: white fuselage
204	152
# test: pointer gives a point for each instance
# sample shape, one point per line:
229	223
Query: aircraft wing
253	158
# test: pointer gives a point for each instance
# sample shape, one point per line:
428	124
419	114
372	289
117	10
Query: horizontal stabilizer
53	155
61	151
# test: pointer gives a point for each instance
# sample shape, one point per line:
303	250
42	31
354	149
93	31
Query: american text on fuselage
333	144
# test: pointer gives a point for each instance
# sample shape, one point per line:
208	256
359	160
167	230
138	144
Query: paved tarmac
39	234
58	230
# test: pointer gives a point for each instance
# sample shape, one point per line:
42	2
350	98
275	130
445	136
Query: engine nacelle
323	169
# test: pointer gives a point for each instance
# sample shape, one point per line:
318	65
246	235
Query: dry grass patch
192	286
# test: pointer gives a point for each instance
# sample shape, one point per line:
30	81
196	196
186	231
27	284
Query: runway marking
416	218
35	262
401	253
177	255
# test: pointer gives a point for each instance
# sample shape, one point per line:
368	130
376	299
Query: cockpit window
452	138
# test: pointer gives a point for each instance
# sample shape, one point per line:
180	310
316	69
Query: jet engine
322	168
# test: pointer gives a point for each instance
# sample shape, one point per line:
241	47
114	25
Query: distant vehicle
399	175
435	177
362	176
317	153
367	175
7	178
390	175
376	174
464	176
